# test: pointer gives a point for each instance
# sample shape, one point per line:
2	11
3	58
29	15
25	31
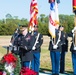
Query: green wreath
16	70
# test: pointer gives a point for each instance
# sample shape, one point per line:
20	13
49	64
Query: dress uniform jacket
65	42
72	44
39	41
64	50
25	47
56	39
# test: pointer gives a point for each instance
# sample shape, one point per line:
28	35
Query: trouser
74	62
36	61
27	64
55	60
62	62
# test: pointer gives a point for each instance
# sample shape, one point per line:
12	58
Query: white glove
25	47
55	47
10	44
37	42
74	48
15	48
72	30
33	48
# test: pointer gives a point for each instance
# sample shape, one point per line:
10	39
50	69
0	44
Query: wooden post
75	20
75	30
7	49
74	10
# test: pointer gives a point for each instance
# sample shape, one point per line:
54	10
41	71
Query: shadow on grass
43	70
47	71
4	47
70	72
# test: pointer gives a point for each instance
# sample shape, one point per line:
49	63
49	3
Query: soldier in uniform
55	50
16	33
64	50
73	49
38	40
24	44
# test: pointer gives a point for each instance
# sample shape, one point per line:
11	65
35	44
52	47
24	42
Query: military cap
60	26
35	26
23	27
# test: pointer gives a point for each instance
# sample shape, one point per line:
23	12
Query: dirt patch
4	40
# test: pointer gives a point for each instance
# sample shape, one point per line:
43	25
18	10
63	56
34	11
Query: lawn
45	62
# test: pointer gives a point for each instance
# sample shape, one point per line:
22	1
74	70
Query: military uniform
37	42
16	33
64	50
73	51
25	48
55	51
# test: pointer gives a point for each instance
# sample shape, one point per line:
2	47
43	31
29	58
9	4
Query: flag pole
75	30
74	10
75	19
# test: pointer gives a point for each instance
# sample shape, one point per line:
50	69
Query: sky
21	8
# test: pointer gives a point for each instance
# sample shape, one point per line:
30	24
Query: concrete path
51	74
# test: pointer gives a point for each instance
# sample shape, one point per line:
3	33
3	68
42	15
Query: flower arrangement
8	64
27	71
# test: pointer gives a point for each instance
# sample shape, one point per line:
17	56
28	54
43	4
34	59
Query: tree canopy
8	25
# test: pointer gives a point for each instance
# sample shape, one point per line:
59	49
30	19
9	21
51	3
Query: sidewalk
51	74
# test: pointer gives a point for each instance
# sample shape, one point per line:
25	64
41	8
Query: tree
8	16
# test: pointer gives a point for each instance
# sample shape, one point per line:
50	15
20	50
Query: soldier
55	50
11	45
64	50
24	43
73	49
38	40
16	33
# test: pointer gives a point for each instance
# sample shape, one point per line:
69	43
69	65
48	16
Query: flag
33	14
53	18
74	5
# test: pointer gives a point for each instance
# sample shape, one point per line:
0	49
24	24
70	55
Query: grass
2	52
45	61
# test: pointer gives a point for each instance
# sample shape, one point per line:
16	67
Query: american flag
33	14
74	5
53	17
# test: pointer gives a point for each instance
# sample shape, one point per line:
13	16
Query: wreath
10	64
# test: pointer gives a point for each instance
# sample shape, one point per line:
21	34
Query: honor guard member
55	50
13	48
64	50
38	40
16	33
24	43
73	49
